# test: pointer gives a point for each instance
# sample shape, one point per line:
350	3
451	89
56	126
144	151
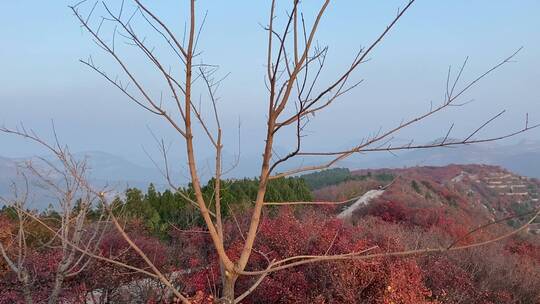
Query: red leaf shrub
41	266
286	234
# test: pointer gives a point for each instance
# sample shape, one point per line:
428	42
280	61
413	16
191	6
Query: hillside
522	157
478	193
395	210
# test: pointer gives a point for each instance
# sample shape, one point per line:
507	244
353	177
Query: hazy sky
41	78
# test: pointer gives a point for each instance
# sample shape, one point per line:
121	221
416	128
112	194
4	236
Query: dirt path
362	201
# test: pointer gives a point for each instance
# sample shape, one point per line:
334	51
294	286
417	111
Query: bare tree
69	234
296	91
67	183
17	261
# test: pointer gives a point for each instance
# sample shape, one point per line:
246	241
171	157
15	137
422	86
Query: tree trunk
228	290
53	299
27	293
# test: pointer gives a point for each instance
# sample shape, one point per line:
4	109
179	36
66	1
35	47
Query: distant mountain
8	171
522	158
105	169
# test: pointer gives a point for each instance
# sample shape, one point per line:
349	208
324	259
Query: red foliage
447	281
41	267
114	246
6	228
285	235
200	298
524	248
424	217
390	211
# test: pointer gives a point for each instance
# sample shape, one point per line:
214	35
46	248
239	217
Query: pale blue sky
41	78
